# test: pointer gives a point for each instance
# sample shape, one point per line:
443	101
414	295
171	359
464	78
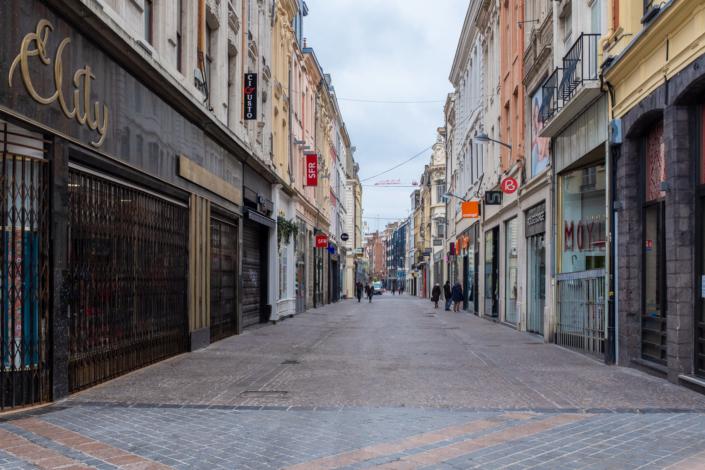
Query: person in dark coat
457	296
358	290
436	294
370	291
447	294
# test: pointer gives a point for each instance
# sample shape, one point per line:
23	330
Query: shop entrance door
24	336
536	283
492	272
223	280
254	274
700	312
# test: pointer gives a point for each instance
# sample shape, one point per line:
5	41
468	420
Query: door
700	313
492	272
254	275
223	280
536	283
467	292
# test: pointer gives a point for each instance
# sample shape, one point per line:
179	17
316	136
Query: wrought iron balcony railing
579	65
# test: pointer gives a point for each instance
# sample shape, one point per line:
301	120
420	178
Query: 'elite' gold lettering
40	38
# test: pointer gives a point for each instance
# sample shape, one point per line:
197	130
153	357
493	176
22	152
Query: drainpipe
610	32
291	128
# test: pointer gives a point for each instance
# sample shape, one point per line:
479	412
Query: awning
261	219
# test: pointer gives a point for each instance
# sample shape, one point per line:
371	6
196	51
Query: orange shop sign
471	210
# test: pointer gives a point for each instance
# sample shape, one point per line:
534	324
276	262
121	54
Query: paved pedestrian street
394	384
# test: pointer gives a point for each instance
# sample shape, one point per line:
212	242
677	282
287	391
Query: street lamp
448	194
483	139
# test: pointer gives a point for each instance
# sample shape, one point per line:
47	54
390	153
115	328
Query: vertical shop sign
250	96
311	170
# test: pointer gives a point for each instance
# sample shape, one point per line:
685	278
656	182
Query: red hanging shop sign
321	241
311	170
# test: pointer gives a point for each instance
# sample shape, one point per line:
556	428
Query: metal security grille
581	315
223	280
24	278
128	278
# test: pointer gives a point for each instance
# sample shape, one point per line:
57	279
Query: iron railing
224	243
579	65
580	323
128	265
24	277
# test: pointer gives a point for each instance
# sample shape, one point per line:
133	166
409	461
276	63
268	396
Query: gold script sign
40	38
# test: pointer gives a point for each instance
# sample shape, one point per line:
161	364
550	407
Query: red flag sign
321	241
509	185
311	170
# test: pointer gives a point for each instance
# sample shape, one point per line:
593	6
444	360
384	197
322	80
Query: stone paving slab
390	353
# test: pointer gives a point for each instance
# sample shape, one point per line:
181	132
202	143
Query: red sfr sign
311	170
509	185
321	241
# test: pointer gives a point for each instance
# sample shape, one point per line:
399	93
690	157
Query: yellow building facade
654	71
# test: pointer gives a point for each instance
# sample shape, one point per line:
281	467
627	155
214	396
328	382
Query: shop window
655	163
511	232
583	222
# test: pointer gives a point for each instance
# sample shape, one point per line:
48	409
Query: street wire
402	163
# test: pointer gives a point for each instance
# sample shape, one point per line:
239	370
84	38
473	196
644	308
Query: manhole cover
290	361
263	394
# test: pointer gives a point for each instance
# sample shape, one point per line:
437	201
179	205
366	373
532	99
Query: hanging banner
493	198
471	210
311	170
250	90
321	241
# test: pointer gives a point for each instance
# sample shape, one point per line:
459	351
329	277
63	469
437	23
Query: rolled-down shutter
254	274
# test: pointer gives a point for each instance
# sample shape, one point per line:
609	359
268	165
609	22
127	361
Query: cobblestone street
395	384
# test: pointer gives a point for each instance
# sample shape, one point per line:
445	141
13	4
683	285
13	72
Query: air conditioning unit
614	130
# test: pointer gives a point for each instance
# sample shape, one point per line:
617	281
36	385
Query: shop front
535	233
300	260
582	232
491	273
130	204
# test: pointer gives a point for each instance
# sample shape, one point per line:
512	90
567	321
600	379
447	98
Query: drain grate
452	328
290	361
263	394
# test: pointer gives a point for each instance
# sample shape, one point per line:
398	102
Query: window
440	189
583	224
440	230
596	17
148	20
568	31
511	231
179	27
209	59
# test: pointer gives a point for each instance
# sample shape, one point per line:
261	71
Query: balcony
569	89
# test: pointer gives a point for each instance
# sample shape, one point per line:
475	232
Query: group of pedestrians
452	294
369	290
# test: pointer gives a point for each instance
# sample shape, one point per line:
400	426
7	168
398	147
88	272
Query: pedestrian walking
436	294
457	296
401	289
393	290
370	291
448	294
358	290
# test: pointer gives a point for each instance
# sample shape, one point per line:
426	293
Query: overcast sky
387	50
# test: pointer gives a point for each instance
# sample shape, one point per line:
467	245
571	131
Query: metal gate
223	280
580	321
24	277
128	263
254	288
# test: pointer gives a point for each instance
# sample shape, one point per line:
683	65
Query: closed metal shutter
223	280
253	273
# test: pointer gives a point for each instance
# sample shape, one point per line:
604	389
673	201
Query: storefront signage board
649	245
471	210
311	170
493	198
250	92
345	237
535	220
509	185
321	241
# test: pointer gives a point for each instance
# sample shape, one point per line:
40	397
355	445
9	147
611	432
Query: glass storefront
511	231
492	272
300	273
583	221
536	268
